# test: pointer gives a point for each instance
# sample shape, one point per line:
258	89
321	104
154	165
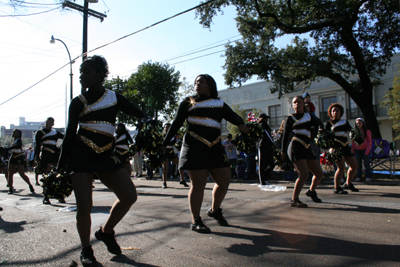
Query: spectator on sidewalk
307	101
231	152
138	163
362	151
265	151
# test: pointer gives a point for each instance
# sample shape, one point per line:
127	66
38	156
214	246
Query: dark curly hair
335	105
99	63
211	82
19	132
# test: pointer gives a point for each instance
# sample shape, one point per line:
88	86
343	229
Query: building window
326	102
275	116
354	111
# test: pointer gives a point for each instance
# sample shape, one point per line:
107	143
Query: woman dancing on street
341	127
17	160
122	141
296	145
171	156
202	152
89	151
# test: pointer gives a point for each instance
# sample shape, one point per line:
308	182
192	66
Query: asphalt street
358	229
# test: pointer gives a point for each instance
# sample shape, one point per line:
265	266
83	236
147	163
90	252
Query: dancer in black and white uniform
341	128
90	150
171	156
17	160
46	150
122	142
202	152
296	145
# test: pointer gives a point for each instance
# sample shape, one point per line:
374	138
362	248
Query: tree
233	129
7	140
346	37
392	102
153	88
187	89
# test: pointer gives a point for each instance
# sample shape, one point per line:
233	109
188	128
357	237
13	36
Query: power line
32	14
194	51
152	25
31	3
34	84
64	37
121	38
185	55
198	57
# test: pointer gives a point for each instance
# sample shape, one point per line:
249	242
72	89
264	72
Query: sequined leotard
297	136
122	147
46	145
16	152
202	148
341	129
91	148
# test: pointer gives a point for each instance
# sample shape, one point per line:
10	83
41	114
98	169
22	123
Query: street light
52	41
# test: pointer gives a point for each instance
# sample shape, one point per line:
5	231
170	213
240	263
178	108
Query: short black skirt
48	157
170	154
296	151
83	159
346	152
17	160
124	159
195	157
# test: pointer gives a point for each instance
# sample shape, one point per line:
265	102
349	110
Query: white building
323	93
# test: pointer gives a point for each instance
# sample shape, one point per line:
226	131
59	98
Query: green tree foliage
7	140
392	102
233	129
345	38
153	88
186	89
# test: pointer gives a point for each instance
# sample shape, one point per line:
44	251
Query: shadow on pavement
124	259
277	241
358	208
11	227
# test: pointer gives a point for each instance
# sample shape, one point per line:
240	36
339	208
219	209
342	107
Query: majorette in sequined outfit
296	145
89	150
202	152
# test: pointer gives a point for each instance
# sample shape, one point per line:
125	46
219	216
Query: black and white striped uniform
17	156
46	145
297	136
91	147
122	147
341	128
202	148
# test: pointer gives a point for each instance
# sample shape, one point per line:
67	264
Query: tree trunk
370	119
363	100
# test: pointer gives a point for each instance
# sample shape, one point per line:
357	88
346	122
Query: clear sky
27	56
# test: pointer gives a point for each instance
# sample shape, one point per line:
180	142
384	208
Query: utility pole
86	13
85	31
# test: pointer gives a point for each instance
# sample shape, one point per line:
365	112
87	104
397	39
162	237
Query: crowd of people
93	148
